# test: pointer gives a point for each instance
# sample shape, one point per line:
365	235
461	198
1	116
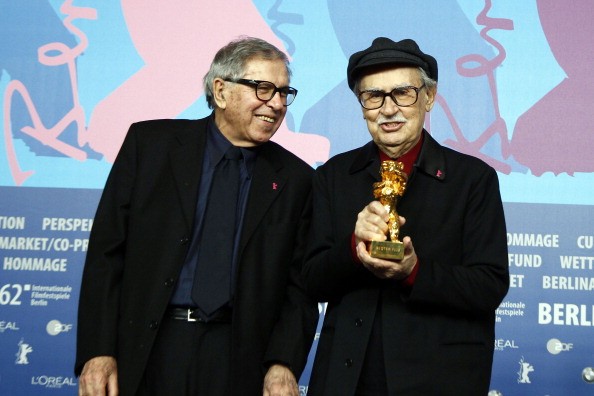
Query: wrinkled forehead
273	70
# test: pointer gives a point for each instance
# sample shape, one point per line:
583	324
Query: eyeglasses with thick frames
402	96
265	90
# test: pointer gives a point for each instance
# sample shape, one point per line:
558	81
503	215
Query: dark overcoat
140	238
438	336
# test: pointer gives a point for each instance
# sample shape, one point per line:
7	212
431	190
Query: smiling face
244	119
393	128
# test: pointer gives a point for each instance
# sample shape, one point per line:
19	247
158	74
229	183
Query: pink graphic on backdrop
177	41
52	55
486	67
556	134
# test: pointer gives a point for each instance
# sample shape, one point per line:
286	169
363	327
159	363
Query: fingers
389	269
99	377
280	381
372	223
383	269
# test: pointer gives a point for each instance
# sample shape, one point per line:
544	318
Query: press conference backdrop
515	86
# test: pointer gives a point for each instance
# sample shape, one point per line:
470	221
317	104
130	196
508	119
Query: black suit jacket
140	238
438	336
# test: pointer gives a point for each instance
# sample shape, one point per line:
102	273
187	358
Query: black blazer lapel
269	179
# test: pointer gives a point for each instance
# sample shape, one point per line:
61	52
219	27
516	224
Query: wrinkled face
244	119
393	128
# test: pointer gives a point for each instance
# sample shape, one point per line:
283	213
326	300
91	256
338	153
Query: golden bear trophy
388	191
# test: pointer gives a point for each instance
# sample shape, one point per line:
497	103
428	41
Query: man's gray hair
230	61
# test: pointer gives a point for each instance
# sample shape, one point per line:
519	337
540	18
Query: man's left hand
280	381
389	269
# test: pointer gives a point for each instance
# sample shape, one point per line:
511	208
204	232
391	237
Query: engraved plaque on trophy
387	192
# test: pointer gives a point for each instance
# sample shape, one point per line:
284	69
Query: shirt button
169	282
184	240
358	322
348	363
153	325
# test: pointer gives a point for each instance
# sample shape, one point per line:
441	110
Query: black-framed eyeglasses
265	90
402	96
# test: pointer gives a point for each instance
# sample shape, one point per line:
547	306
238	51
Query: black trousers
189	358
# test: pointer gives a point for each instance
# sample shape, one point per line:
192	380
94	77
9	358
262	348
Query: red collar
408	159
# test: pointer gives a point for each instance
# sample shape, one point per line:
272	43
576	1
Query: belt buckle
189	317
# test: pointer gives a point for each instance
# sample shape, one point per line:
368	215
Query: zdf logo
555	347
54	327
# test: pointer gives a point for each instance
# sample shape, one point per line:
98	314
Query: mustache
395	118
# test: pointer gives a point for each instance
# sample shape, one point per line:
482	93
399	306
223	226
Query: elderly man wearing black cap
423	324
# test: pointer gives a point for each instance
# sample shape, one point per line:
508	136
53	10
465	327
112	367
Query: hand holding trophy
388	191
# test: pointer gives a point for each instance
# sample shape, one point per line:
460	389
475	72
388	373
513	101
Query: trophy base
387	250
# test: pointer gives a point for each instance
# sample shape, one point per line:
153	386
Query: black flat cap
384	52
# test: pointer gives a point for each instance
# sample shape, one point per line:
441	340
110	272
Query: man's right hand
372	226
99	377
372	223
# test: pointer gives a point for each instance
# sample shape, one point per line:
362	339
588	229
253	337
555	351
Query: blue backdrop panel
43	239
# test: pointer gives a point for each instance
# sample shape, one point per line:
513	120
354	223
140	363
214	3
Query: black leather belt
191	315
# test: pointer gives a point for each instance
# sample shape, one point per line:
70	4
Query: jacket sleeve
469	271
330	270
294	331
102	274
